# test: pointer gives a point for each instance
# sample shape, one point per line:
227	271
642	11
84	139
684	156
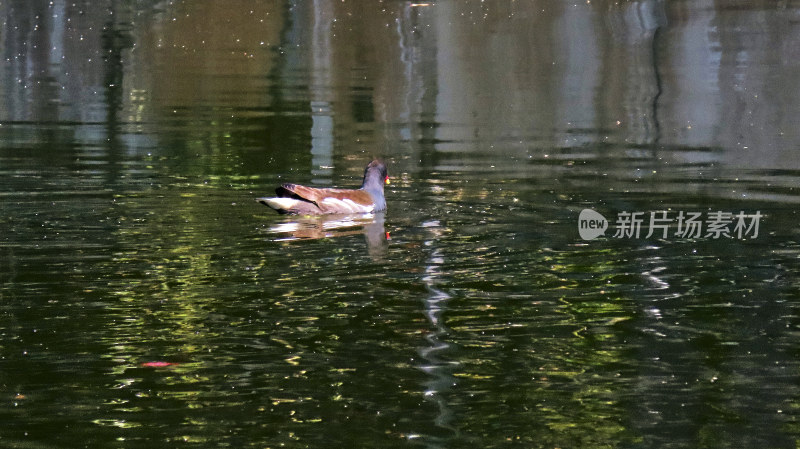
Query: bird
302	200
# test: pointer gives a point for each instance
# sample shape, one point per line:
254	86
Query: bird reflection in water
332	226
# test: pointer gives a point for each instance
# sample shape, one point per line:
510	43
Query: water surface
147	299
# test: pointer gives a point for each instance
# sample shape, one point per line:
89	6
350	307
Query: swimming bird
297	199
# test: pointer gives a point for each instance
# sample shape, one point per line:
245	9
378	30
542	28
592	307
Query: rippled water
147	299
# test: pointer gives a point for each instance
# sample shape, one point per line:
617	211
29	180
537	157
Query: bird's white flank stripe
347	205
281	203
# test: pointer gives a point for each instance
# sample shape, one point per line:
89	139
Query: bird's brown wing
318	197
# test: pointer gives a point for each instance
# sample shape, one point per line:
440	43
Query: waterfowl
298	199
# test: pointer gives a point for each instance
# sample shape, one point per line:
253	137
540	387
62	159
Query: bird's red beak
386	181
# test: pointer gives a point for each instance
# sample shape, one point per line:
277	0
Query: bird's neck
373	183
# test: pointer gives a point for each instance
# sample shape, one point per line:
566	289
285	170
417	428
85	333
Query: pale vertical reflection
56	50
406	101
632	105
581	77
409	56
441	381
320	89
455	91
693	108
642	20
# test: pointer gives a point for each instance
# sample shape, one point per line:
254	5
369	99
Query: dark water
146	299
